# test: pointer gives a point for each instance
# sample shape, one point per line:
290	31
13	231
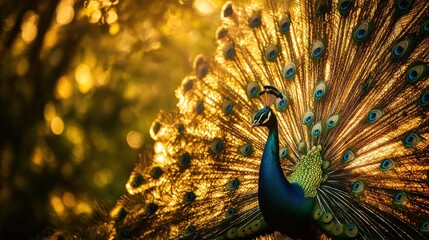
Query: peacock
309	120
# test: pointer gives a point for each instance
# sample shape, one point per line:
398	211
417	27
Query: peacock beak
254	125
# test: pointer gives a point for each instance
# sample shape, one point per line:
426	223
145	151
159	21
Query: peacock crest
345	99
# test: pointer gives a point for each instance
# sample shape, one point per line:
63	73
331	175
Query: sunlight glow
84	78
64	88
29	27
22	67
103	177
65	14
82	208
57	125
57	204
37	156
112	16
69	200
204	7
134	139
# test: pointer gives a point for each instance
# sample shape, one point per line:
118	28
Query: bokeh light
65	12
64	88
57	125
82	81
135	139
29	26
84	77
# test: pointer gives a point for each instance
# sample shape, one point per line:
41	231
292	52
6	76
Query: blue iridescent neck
282	204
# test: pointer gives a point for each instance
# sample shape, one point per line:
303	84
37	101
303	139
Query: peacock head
265	116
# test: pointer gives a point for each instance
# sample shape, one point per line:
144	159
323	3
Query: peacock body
337	148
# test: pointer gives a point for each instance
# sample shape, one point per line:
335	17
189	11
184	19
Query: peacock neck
282	204
270	165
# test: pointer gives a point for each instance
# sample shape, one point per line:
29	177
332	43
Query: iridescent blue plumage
282	204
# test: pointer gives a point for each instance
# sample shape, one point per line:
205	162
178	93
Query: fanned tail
353	76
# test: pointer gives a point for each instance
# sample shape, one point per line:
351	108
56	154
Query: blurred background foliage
80	83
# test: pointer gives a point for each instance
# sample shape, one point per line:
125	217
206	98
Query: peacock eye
137	180
362	32
320	90
156	172
332	121
402	49
281	104
367	84
229	51
424	98
199	108
424	27
317	214
348	155
322	7
317	50
252	89
424	227
216	146
317	129
255	20
344	6
308	118
156	127
241	231
411	140
326	217
289	70
351	231
283	152
374	115
118	213
227	107
184	160
231	233
416	72
180	128
403	6
221	33
151	208
387	164
255	225
284	25
399	198
233	185
229	213
200	66
358	187
190	230
271	52
227	10
246	149
189	197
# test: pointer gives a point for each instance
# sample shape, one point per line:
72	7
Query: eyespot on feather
252	89
348	155
289	70
317	50
271	52
344	7
284	24
308	117
319	90
411	140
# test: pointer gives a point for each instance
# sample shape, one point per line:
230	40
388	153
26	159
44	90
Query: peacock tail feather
353	126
